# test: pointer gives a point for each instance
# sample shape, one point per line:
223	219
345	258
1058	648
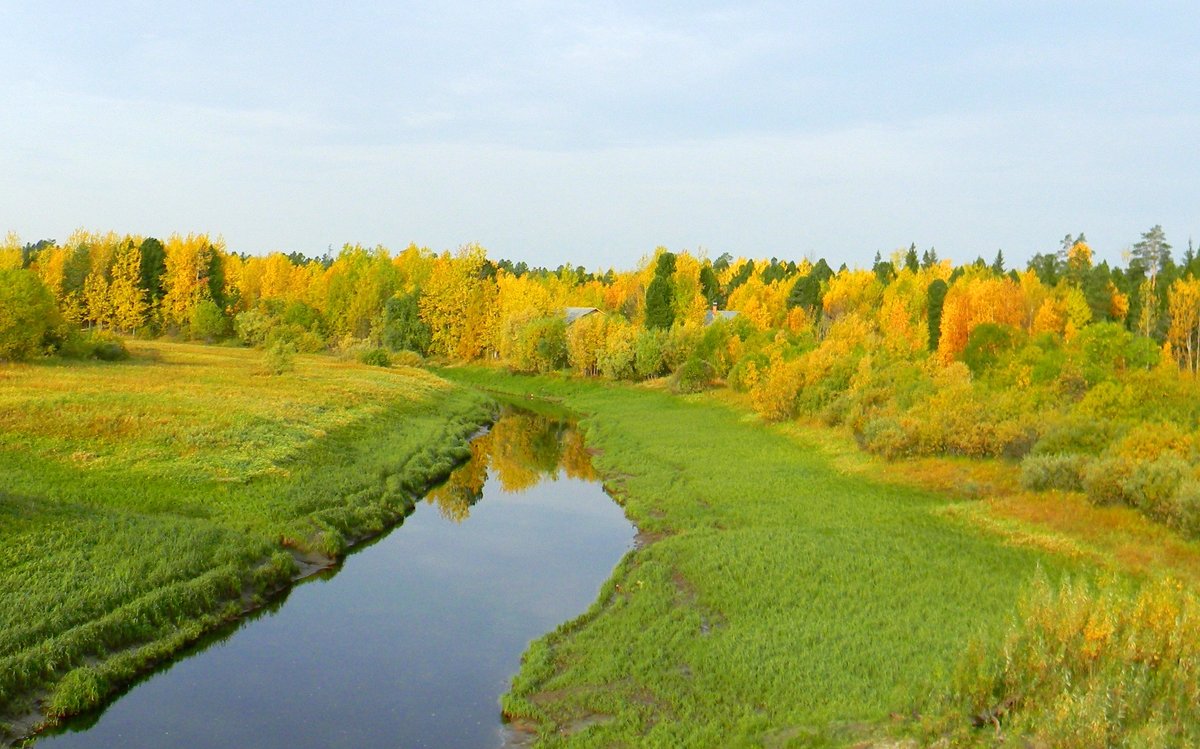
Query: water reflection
412	641
521	449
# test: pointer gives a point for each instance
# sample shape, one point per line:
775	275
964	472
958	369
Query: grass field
778	601
146	501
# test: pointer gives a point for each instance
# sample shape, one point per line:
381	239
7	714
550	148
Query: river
412	640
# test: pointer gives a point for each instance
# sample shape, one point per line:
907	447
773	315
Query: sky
590	133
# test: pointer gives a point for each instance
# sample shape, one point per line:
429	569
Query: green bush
208	322
886	436
692	377
1062	472
1104	480
375	357
1075	436
279	357
27	314
648	354
1182	510
108	347
1151	485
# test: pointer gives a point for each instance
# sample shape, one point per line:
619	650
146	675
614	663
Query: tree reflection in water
521	449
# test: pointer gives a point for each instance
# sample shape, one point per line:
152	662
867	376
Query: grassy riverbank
778	601
147	501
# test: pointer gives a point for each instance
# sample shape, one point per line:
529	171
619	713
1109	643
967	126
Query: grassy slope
146	501
780	598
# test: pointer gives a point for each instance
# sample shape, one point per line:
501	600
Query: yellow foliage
973	301
852	291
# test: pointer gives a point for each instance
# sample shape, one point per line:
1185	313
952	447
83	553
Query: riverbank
785	596
150	501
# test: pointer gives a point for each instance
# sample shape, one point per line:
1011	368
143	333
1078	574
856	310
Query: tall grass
148	501
1084	666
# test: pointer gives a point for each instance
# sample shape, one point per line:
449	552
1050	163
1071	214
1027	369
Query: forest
1083	372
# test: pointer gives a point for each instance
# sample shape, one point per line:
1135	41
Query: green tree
1151	253
660	294
403	328
936	300
153	268
27	314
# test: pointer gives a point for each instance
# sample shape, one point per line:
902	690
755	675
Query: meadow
147	501
776	599
792	591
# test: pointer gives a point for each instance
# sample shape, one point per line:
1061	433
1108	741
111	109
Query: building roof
574	313
719	314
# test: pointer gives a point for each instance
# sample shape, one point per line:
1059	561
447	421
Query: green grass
146	502
780	602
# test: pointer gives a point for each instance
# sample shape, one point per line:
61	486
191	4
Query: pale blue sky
592	132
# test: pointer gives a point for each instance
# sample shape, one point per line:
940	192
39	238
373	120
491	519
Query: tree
937	299
910	259
660	294
128	299
153	266
403	328
27	314
1151	253
998	263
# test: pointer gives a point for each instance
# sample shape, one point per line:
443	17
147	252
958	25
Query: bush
407	359
207	322
1152	485
1104	480
1062	472
108	347
886	436
692	377
1076	435
648	359
27	314
541	345
375	357
279	357
1182	510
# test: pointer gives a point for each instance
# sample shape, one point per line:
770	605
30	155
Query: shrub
541	345
252	327
108	347
405	358
886	436
279	357
692	377
648	360
207	322
1104	480
375	357
1085	667
27	314
1151	485
1062	472
774	397
1182	510
1076	435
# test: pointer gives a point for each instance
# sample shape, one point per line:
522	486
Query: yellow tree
189	260
10	252
127	298
974	299
1183	335
453	285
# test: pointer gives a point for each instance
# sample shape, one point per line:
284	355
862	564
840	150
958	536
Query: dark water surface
413	640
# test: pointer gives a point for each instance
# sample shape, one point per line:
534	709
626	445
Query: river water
412	641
